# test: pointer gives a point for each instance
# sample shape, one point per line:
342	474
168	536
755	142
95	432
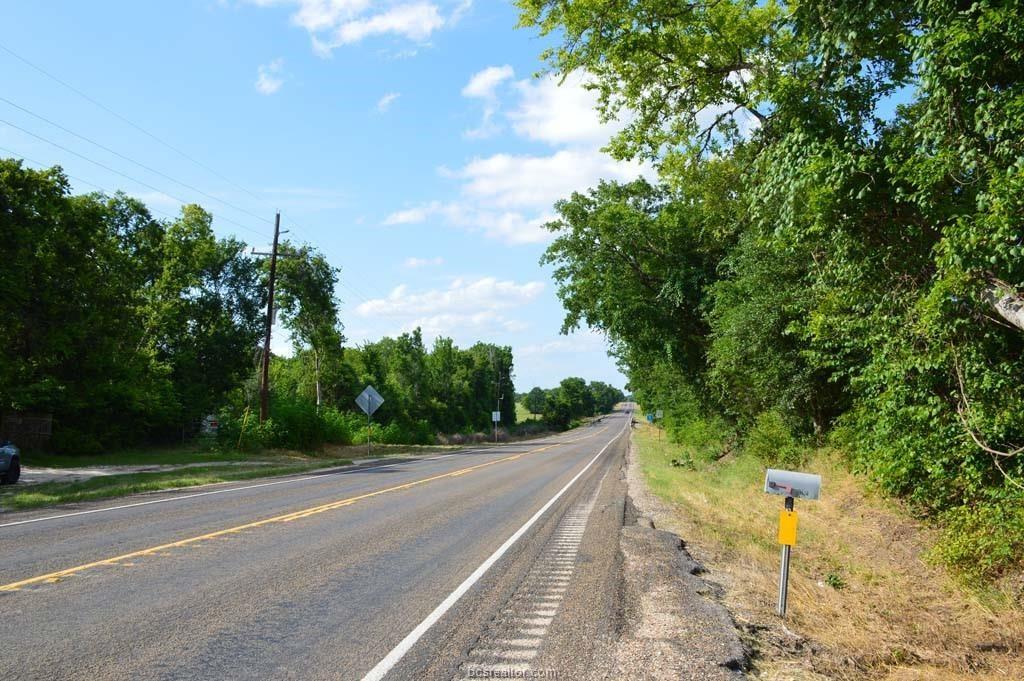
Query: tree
123	327
203	319
306	298
862	265
604	396
535	401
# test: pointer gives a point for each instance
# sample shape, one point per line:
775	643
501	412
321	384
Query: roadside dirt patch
33	475
675	624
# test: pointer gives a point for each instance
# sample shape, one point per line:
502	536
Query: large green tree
868	269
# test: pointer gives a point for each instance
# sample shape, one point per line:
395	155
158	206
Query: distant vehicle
10	464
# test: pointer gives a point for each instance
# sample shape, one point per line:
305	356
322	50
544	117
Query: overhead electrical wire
125	120
42	165
144	166
124	175
133	161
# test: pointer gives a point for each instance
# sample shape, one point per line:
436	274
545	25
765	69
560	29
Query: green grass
110	486
858	584
141	456
523	414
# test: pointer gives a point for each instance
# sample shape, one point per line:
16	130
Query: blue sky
407	139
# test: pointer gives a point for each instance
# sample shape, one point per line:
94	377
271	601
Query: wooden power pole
265	379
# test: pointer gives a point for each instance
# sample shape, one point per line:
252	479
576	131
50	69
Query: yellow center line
287	517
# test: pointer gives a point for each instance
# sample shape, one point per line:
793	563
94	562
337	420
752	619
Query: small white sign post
369	401
496	419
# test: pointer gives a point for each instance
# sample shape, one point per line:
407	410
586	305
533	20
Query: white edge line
350	469
399	651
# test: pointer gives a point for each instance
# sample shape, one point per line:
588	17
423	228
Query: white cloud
412	216
461	10
560	112
509	181
414	21
462	297
510	227
483	85
509	197
414	263
462	324
466	308
270	77
334	23
387	100
584	340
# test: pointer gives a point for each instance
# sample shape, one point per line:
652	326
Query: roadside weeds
864	604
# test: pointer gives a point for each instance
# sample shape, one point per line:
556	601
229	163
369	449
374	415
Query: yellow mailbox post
791	485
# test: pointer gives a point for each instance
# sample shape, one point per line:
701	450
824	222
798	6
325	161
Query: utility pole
265	378
499	395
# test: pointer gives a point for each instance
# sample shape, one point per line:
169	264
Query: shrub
705	438
771	440
981	543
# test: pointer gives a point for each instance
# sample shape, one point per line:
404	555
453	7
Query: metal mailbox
792	484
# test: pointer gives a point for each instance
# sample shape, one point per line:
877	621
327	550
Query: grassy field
217	467
153	456
864	601
523	414
110	486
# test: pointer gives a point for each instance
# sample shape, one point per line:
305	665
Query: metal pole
783	581
784	570
265	379
369	434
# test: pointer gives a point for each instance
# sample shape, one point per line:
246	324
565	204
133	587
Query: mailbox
792	484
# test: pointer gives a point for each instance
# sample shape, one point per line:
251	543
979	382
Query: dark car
10	464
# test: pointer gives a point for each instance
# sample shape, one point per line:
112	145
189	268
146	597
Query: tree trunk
1006	302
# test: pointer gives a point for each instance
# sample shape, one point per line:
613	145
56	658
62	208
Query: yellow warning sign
787	528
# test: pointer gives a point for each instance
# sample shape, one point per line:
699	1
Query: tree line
571	400
129	330
832	250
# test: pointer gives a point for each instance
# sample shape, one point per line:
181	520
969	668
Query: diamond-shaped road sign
369	400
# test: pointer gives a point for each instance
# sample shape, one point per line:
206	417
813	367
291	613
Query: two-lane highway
398	570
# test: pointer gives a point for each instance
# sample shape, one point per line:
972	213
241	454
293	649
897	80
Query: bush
394	433
338	428
771	440
705	437
293	424
981	543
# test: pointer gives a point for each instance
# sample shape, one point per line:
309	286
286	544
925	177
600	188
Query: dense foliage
834	245
119	325
130	330
571	400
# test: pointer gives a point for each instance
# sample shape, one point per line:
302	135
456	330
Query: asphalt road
436	568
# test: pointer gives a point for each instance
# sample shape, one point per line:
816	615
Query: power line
125	120
118	172
133	161
42	165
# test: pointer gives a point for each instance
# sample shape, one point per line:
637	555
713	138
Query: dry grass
863	603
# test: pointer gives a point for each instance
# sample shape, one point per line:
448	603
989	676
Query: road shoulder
675	625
